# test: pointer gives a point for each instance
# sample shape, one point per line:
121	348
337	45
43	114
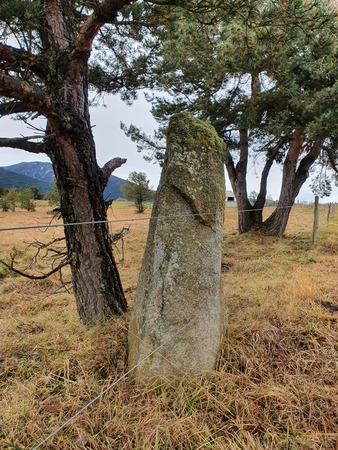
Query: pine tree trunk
96	282
71	147
295	174
245	222
247	218
276	224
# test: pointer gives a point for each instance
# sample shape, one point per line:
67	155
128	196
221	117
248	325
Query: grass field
276	384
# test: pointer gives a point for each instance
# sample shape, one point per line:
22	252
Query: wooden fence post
315	220
329	213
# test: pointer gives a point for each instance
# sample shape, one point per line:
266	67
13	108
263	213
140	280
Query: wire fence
319	220
110	387
227	211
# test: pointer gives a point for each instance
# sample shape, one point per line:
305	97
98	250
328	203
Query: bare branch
57	254
10	54
109	168
120	234
229	163
9	108
33	97
23	143
36	277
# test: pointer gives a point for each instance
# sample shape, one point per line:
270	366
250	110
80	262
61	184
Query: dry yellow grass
277	378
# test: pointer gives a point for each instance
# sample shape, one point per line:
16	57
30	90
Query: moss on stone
194	164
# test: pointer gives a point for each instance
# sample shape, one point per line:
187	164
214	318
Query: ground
275	386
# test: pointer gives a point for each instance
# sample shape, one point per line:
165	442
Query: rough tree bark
295	174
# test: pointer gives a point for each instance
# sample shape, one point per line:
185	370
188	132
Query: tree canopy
137	189
266	78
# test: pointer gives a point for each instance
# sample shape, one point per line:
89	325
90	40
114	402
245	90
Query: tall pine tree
45	65
265	75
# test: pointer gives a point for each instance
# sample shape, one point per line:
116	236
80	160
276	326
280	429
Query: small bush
27	199
8	201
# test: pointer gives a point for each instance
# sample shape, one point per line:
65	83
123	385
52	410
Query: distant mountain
41	174
42	171
10	179
112	190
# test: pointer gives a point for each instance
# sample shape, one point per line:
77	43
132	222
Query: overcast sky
111	142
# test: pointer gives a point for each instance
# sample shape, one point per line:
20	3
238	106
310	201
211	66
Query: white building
230	199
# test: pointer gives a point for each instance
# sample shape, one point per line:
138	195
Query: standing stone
180	279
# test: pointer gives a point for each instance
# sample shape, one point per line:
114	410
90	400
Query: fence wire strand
80	411
133	219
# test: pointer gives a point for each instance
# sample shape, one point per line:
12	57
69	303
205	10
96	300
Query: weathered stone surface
180	278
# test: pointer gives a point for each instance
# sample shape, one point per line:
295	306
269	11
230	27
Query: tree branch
32	97
36	277
106	12
109	168
55	28
10	54
230	165
332	162
23	143
271	156
244	150
17	59
6	109
302	172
